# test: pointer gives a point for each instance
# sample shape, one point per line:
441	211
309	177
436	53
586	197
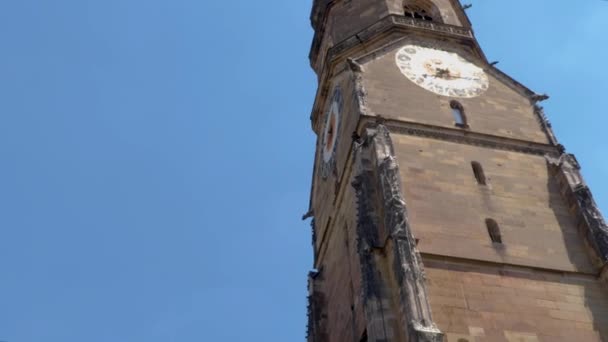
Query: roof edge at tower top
318	13
320	9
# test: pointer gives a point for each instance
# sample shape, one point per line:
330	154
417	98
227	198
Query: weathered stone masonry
428	271
382	216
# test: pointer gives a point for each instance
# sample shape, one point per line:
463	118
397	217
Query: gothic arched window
421	10
460	119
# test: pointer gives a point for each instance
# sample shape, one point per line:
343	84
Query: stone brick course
486	302
448	208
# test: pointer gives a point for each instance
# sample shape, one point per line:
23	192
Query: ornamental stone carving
382	217
579	194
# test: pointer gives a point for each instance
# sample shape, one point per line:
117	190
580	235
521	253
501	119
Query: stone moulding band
463	137
398	21
428	25
391	20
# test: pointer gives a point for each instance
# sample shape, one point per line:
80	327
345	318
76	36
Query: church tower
443	207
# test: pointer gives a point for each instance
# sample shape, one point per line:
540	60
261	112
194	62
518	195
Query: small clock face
444	73
331	130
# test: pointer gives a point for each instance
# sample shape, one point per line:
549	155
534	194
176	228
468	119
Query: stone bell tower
443	207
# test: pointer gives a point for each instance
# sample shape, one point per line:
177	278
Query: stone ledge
382	25
464	136
507	269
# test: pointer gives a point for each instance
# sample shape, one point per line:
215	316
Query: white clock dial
331	131
444	73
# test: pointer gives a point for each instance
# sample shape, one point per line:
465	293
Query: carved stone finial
313	227
569	174
571	161
356	137
354	65
539	97
308	215
546	125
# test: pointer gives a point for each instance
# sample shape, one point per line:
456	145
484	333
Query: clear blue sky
155	157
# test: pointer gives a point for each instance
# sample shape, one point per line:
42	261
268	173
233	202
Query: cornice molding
387	23
480	59
462	136
513	270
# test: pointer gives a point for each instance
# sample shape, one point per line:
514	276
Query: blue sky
156	157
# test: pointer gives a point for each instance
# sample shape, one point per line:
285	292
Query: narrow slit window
460	119
480	176
494	231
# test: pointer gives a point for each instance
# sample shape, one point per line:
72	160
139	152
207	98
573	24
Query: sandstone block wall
501	111
480	303
340	274
448	208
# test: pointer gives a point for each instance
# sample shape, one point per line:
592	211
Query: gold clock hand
453	77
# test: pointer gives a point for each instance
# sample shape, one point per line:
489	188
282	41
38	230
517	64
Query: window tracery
422	10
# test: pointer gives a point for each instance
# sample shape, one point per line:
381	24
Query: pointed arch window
422	10
494	231
460	118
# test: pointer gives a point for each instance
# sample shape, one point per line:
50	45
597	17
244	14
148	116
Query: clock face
331	130
444	73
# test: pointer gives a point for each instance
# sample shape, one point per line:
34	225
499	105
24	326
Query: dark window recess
460	119
479	174
420	12
494	231
364	337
